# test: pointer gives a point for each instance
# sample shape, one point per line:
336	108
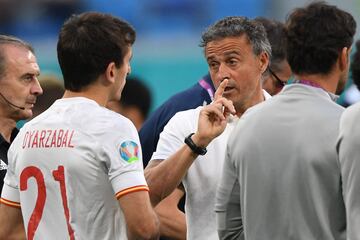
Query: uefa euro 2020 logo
129	151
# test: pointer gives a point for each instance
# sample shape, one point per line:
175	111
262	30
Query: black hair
88	43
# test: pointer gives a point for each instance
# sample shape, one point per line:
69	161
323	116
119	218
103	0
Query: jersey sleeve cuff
127	182
159	156
131	190
10	196
10	203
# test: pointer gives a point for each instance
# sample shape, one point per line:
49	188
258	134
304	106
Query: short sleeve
172	137
10	194
122	152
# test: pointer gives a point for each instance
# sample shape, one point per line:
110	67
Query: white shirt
202	178
72	162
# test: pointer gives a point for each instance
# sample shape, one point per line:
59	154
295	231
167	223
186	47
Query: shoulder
111	122
183	121
189	98
189	114
350	114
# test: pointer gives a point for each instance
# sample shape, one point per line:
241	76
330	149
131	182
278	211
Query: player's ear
110	72
344	58
263	61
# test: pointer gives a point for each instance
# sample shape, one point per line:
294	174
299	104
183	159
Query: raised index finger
220	90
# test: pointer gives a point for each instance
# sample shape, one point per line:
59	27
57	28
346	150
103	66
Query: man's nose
223	72
36	88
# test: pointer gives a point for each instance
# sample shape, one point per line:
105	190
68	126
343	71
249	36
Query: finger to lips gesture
227	105
213	117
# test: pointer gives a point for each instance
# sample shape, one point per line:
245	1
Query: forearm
173	227
172	220
17	233
164	176
149	231
11	223
141	219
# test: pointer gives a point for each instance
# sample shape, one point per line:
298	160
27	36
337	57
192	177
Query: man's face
275	81
233	58
19	83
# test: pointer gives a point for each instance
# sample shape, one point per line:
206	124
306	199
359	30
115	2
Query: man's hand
213	117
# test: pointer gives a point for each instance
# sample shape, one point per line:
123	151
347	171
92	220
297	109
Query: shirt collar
332	96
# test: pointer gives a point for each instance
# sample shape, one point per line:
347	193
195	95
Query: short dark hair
10	40
136	93
355	65
276	34
236	27
88	43
316	34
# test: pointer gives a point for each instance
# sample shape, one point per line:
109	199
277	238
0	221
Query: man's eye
232	62
29	78
213	64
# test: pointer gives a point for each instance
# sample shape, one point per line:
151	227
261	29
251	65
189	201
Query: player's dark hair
88	43
276	34
136	93
316	34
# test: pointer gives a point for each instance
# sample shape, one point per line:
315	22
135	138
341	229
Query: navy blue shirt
199	94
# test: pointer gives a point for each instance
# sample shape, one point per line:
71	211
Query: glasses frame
278	80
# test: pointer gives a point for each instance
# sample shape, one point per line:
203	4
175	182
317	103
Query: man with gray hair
19	88
237	52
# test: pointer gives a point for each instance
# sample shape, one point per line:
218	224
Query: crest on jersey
129	151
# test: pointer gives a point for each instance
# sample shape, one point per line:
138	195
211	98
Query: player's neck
91	93
327	82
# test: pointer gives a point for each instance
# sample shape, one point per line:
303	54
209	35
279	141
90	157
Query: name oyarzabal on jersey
48	138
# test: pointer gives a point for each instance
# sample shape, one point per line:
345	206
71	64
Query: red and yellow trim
10	203
130	190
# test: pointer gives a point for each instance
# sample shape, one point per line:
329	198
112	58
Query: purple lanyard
208	88
307	82
332	96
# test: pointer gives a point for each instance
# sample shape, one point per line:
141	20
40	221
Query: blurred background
166	54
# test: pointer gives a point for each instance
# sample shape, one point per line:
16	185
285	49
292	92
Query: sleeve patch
129	151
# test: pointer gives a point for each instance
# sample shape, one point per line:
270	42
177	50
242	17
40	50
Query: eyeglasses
279	82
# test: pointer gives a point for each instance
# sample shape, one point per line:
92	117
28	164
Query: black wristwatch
196	149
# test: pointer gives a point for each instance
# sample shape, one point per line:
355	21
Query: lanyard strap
208	88
307	82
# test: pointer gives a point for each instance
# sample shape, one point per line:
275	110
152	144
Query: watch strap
196	149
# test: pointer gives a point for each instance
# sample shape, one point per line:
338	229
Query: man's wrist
197	149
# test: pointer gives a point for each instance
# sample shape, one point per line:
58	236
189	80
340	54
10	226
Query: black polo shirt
4	147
